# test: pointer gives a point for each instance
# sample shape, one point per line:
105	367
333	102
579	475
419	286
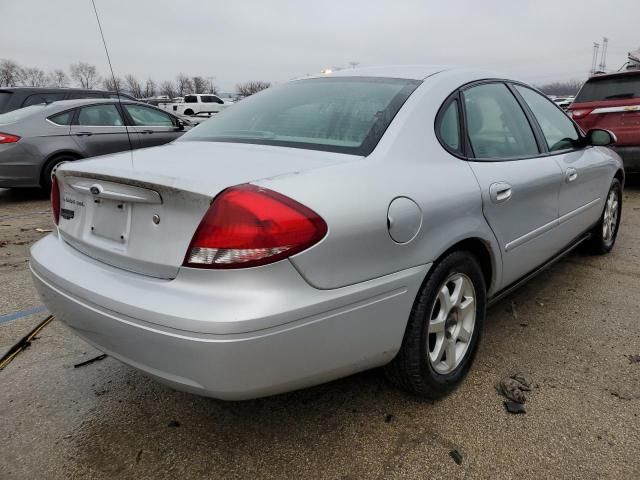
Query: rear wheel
603	235
444	328
47	171
188	111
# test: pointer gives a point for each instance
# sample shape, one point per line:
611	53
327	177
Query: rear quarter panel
354	198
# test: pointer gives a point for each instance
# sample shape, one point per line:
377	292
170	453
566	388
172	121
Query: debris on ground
43	230
173	424
24	342
514	407
513	388
514	312
457	456
388	418
633	358
91	360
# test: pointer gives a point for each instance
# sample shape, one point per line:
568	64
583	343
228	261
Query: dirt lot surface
572	331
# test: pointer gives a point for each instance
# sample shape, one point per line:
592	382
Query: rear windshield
616	88
4	100
344	115
17	115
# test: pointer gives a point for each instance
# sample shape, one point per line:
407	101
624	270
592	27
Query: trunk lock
156	218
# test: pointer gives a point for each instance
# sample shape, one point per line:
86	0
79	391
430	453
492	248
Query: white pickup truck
197	104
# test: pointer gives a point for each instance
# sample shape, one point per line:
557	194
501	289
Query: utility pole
594	59
603	59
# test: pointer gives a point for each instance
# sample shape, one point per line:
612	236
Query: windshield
615	88
17	115
344	115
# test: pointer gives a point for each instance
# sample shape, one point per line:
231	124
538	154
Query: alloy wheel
610	216
451	323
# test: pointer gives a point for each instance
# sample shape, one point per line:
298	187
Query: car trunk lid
138	210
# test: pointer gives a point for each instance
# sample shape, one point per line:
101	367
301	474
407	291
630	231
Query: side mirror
601	138
180	125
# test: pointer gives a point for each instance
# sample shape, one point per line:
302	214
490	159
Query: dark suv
12	98
612	102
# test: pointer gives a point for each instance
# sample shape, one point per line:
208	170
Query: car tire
45	181
188	111
604	233
421	367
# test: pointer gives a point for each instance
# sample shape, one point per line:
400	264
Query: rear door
584	171
153	126
520	186
99	129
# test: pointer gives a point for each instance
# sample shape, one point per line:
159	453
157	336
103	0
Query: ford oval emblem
95	189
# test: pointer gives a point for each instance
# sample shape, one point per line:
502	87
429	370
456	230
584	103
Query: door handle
146	131
84	134
570	175
500	192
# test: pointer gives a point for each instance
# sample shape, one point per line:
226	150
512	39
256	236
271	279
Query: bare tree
149	89
10	73
200	85
84	74
249	88
168	88
134	86
34	77
353	64
569	87
184	84
58	78
112	84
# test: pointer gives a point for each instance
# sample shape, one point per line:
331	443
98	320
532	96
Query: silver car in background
34	139
324	227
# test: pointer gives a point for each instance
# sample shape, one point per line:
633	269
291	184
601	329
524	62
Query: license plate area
111	220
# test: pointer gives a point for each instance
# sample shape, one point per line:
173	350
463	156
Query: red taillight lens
8	138
247	226
580	112
55	199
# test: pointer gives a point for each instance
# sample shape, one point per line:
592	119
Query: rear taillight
55	199
580	112
8	138
247	226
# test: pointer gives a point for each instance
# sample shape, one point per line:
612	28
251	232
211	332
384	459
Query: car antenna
115	82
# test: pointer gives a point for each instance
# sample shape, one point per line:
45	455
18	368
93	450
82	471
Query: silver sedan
324	227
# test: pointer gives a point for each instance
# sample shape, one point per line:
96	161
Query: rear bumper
630	157
304	336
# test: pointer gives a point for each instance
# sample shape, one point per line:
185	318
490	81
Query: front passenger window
496	124
559	132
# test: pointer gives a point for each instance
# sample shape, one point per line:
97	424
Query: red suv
612	102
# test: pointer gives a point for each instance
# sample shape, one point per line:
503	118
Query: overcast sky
274	40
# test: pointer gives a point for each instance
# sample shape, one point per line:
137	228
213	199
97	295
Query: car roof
52	90
412	72
623	73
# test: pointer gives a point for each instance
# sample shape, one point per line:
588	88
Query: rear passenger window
449	127
559	132
496	125
100	116
62	118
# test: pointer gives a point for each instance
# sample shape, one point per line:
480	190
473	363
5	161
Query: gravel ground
570	331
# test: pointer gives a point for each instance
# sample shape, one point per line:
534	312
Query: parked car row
34	139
